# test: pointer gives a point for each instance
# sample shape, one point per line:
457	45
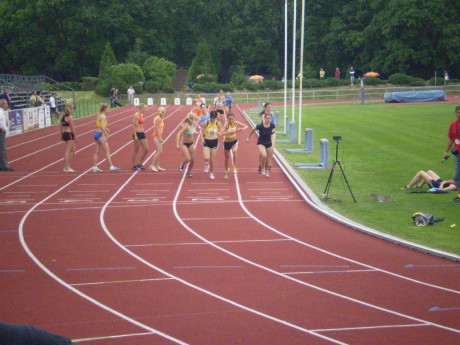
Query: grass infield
382	147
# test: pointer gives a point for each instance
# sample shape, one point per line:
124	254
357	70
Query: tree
107	61
202	64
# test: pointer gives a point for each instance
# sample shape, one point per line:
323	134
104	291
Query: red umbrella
372	74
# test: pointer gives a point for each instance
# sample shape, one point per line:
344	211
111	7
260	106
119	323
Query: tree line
65	39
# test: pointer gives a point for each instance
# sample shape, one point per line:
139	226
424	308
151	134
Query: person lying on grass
432	180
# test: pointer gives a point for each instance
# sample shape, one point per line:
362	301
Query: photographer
453	145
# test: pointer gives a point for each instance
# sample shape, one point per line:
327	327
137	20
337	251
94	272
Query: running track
155	258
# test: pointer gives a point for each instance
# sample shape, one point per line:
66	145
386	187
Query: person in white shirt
131	93
4	166
53	107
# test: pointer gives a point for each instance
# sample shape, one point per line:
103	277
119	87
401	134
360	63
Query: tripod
329	181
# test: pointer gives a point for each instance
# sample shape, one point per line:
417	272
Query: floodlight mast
294	27
302	34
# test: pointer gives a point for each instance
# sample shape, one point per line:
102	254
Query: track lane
140	205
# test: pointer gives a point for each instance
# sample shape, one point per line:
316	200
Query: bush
89	83
372	81
160	70
213	87
273	84
399	79
416	82
121	77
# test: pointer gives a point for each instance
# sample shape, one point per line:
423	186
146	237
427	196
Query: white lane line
64	283
370	327
326	272
112	337
122	281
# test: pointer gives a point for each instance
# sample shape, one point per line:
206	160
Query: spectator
453	146
39	101
53	107
112	92
115	98
6	96
322	74
4	166
131	93
352	75
33	99
337	73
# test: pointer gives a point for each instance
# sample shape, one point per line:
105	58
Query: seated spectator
39	101
33	99
6	97
432	180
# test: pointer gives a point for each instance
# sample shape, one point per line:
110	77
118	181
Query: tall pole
299	138
285	61
294	26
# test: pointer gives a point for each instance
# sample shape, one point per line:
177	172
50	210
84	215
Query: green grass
383	146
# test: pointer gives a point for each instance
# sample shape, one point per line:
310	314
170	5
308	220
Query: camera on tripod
337	137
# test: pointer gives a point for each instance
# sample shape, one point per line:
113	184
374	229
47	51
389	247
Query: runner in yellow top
212	129
101	139
230	141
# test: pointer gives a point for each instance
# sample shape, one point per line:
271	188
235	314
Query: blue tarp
415	96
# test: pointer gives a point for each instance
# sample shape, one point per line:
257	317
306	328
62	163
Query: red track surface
155	258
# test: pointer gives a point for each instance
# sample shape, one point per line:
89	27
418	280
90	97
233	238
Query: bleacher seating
20	100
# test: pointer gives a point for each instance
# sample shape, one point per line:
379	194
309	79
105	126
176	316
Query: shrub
89	83
399	79
372	81
416	82
213	87
121	77
162	71
273	84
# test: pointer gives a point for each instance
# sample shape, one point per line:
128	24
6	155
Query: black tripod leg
349	188
329	181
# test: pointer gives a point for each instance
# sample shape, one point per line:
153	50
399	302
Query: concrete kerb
310	197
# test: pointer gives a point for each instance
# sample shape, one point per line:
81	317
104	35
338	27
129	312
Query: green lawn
383	146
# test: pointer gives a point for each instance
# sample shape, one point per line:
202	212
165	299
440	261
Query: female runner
212	129
139	138
184	142
101	139
69	137
265	141
230	142
157	135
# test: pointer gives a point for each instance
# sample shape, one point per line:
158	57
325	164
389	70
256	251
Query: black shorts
66	136
267	145
187	144
435	183
229	144
220	111
140	135
211	143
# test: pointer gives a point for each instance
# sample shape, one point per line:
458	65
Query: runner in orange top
157	136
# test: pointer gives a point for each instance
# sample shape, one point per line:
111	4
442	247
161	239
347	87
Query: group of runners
201	123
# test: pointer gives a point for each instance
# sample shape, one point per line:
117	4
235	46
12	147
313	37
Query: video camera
337	137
